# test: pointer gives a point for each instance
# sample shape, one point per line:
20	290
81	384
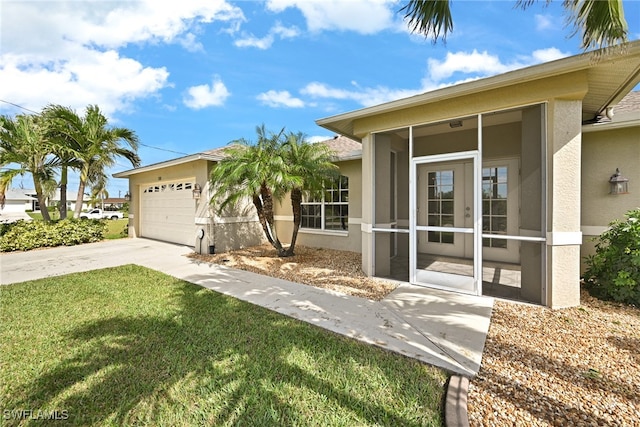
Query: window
330	213
494	205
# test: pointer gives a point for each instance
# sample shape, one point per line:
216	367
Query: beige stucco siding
234	228
603	152
350	240
137	182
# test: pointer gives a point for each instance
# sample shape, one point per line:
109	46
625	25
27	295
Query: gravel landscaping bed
324	268
577	366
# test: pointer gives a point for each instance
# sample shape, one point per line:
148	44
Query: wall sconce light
197	191
127	196
455	124
618	184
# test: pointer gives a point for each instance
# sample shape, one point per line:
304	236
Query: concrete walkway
440	328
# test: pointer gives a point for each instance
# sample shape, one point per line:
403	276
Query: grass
115	228
129	345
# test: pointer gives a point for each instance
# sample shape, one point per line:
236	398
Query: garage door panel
168	212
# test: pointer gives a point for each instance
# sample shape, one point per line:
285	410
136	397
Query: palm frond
431	18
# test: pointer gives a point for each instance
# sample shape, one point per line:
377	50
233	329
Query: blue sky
192	75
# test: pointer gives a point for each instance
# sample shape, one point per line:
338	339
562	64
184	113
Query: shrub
614	271
27	235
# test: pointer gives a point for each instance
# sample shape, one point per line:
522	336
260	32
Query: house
16	204
490	187
55	199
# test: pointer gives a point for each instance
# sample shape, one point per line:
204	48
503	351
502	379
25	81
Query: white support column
367	205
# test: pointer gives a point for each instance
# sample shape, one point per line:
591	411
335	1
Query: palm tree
601	22
24	143
93	145
255	171
99	191
63	147
312	166
275	165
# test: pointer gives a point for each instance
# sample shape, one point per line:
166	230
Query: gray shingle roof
628	104
344	147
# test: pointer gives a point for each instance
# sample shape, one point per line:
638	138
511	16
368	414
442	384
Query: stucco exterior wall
234	228
197	169
602	152
350	240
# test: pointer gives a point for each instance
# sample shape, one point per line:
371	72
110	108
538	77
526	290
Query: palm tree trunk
42	201
267	203
63	193
257	202
79	199
296	206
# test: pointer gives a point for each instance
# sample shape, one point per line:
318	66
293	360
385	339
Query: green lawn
115	228
129	345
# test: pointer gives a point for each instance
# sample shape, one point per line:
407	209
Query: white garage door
168	212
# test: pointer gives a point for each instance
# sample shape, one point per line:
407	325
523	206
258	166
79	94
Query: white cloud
283	98
482	64
203	96
546	55
361	16
265	42
318	138
455	68
190	43
464	62
364	96
71	53
102	78
544	22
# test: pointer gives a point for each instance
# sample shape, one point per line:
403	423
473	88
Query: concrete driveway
440	328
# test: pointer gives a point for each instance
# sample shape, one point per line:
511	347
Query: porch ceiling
610	78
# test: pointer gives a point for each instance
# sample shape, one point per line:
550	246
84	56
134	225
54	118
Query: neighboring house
16	204
491	187
53	201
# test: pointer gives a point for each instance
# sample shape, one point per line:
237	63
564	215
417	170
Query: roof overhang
610	77
168	163
595	127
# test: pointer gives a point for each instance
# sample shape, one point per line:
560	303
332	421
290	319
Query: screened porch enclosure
460	204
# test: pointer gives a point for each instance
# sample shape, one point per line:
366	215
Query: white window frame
323	208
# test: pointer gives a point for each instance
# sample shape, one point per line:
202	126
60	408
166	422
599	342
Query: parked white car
100	214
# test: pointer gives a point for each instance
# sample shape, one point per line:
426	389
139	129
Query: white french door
446	222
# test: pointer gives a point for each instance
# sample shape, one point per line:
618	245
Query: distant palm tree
24	143
254	171
99	192
312	166
601	22
93	145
